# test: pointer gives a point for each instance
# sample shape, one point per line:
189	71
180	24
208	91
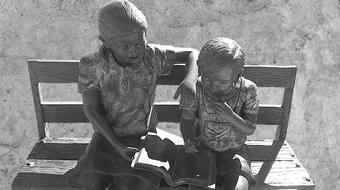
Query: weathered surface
48	171
305	33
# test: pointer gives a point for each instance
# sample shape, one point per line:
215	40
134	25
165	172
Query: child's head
122	28
220	62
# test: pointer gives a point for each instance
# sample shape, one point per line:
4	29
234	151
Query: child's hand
127	152
223	110
187	90
190	146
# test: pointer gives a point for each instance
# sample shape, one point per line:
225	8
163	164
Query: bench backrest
66	71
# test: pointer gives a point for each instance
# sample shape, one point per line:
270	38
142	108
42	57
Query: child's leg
234	169
95	181
229	181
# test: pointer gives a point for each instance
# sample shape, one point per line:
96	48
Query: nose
132	51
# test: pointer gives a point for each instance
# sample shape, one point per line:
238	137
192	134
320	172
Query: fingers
222	106
177	93
127	157
132	149
129	153
190	148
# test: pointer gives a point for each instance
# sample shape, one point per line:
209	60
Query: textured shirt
127	94
213	132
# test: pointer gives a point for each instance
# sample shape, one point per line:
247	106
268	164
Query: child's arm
187	88
187	131
246	123
187	123
243	125
93	110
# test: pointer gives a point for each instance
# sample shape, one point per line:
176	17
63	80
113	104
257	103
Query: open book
168	160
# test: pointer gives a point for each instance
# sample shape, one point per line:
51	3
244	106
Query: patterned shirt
213	132
127	94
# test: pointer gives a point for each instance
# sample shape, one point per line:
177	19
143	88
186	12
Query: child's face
218	81
128	49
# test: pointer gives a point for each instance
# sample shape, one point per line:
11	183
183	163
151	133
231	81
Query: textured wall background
305	33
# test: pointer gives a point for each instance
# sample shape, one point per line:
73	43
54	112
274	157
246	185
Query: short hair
221	52
120	17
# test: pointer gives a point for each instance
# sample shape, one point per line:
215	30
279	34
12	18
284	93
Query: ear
101	38
240	73
237	78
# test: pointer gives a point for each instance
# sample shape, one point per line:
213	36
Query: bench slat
64	113
66	71
56	149
269	76
166	112
48	174
55	71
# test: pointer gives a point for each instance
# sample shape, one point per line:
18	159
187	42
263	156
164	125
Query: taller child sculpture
118	84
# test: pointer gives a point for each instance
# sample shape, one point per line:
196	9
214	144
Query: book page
143	158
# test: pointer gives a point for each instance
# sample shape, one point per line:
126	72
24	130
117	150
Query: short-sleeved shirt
213	132
127	94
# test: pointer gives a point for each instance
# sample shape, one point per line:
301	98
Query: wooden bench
273	161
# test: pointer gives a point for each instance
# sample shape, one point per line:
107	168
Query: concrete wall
304	33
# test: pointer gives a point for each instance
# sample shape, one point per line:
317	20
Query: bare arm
94	111
189	56
245	125
187	131
186	126
245	122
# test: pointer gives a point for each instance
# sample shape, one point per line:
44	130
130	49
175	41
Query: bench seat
51	158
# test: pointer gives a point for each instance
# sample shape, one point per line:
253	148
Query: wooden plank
36	101
64	112
72	149
286	104
175	78
55	71
57	151
49	173
269	75
262	75
284	175
66	71
167	111
269	115
72	112
55	167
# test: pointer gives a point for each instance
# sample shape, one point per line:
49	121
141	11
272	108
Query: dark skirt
100	157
